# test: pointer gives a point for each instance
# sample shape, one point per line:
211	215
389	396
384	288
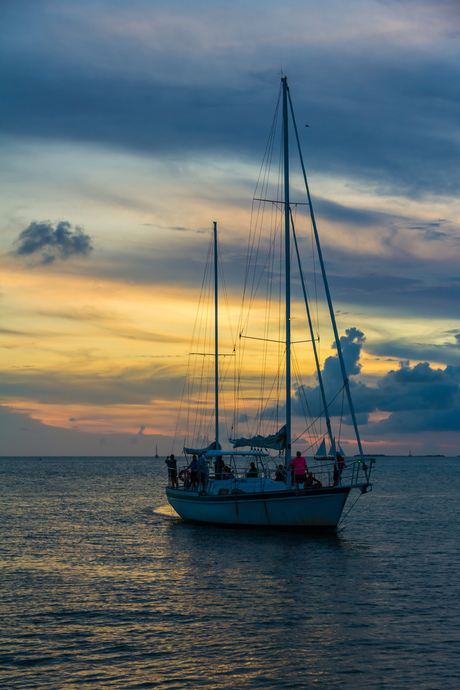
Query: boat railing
355	472
324	473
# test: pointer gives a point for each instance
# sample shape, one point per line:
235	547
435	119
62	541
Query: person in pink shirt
299	465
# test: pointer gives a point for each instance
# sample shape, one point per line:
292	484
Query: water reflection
104	591
268	588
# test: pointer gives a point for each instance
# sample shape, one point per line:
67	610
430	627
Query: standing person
218	467
172	471
202	471
193	467
338	468
299	465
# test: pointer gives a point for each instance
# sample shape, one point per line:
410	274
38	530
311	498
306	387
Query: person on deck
312	482
172	471
338	468
299	465
227	473
253	471
218	467
193	467
279	476
202	471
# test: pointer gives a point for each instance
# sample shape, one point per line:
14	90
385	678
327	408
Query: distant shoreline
382	455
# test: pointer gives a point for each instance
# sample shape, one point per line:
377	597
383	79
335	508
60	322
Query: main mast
287	269
345	378
216	336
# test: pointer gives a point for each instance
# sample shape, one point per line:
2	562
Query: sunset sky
127	128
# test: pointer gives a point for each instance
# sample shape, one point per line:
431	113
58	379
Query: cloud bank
381	100
416	398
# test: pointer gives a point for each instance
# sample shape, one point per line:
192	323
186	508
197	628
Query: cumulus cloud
50	242
417	398
351	344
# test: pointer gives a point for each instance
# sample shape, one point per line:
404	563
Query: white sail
322	449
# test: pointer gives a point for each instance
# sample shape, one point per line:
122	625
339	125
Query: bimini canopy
276	441
236	453
198	451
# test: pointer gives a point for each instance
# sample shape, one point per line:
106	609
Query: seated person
279	476
253	471
312	482
226	473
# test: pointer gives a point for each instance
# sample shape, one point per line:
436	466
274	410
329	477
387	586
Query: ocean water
103	588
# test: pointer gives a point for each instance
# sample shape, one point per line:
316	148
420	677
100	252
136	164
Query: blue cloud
415	396
386	100
51	242
351	344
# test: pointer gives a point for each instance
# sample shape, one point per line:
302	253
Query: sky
126	129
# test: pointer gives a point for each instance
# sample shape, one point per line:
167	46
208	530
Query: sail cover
198	451
276	441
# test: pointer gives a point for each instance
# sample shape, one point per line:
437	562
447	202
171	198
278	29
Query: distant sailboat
321	453
156	452
333	450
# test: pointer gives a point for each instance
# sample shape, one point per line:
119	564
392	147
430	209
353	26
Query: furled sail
202	451
276	441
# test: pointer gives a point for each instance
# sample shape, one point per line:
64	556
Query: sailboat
252	482
329	456
156	451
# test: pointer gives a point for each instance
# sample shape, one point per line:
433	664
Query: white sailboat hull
317	508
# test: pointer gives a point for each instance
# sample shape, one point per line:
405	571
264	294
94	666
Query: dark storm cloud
386	112
49	243
417	397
